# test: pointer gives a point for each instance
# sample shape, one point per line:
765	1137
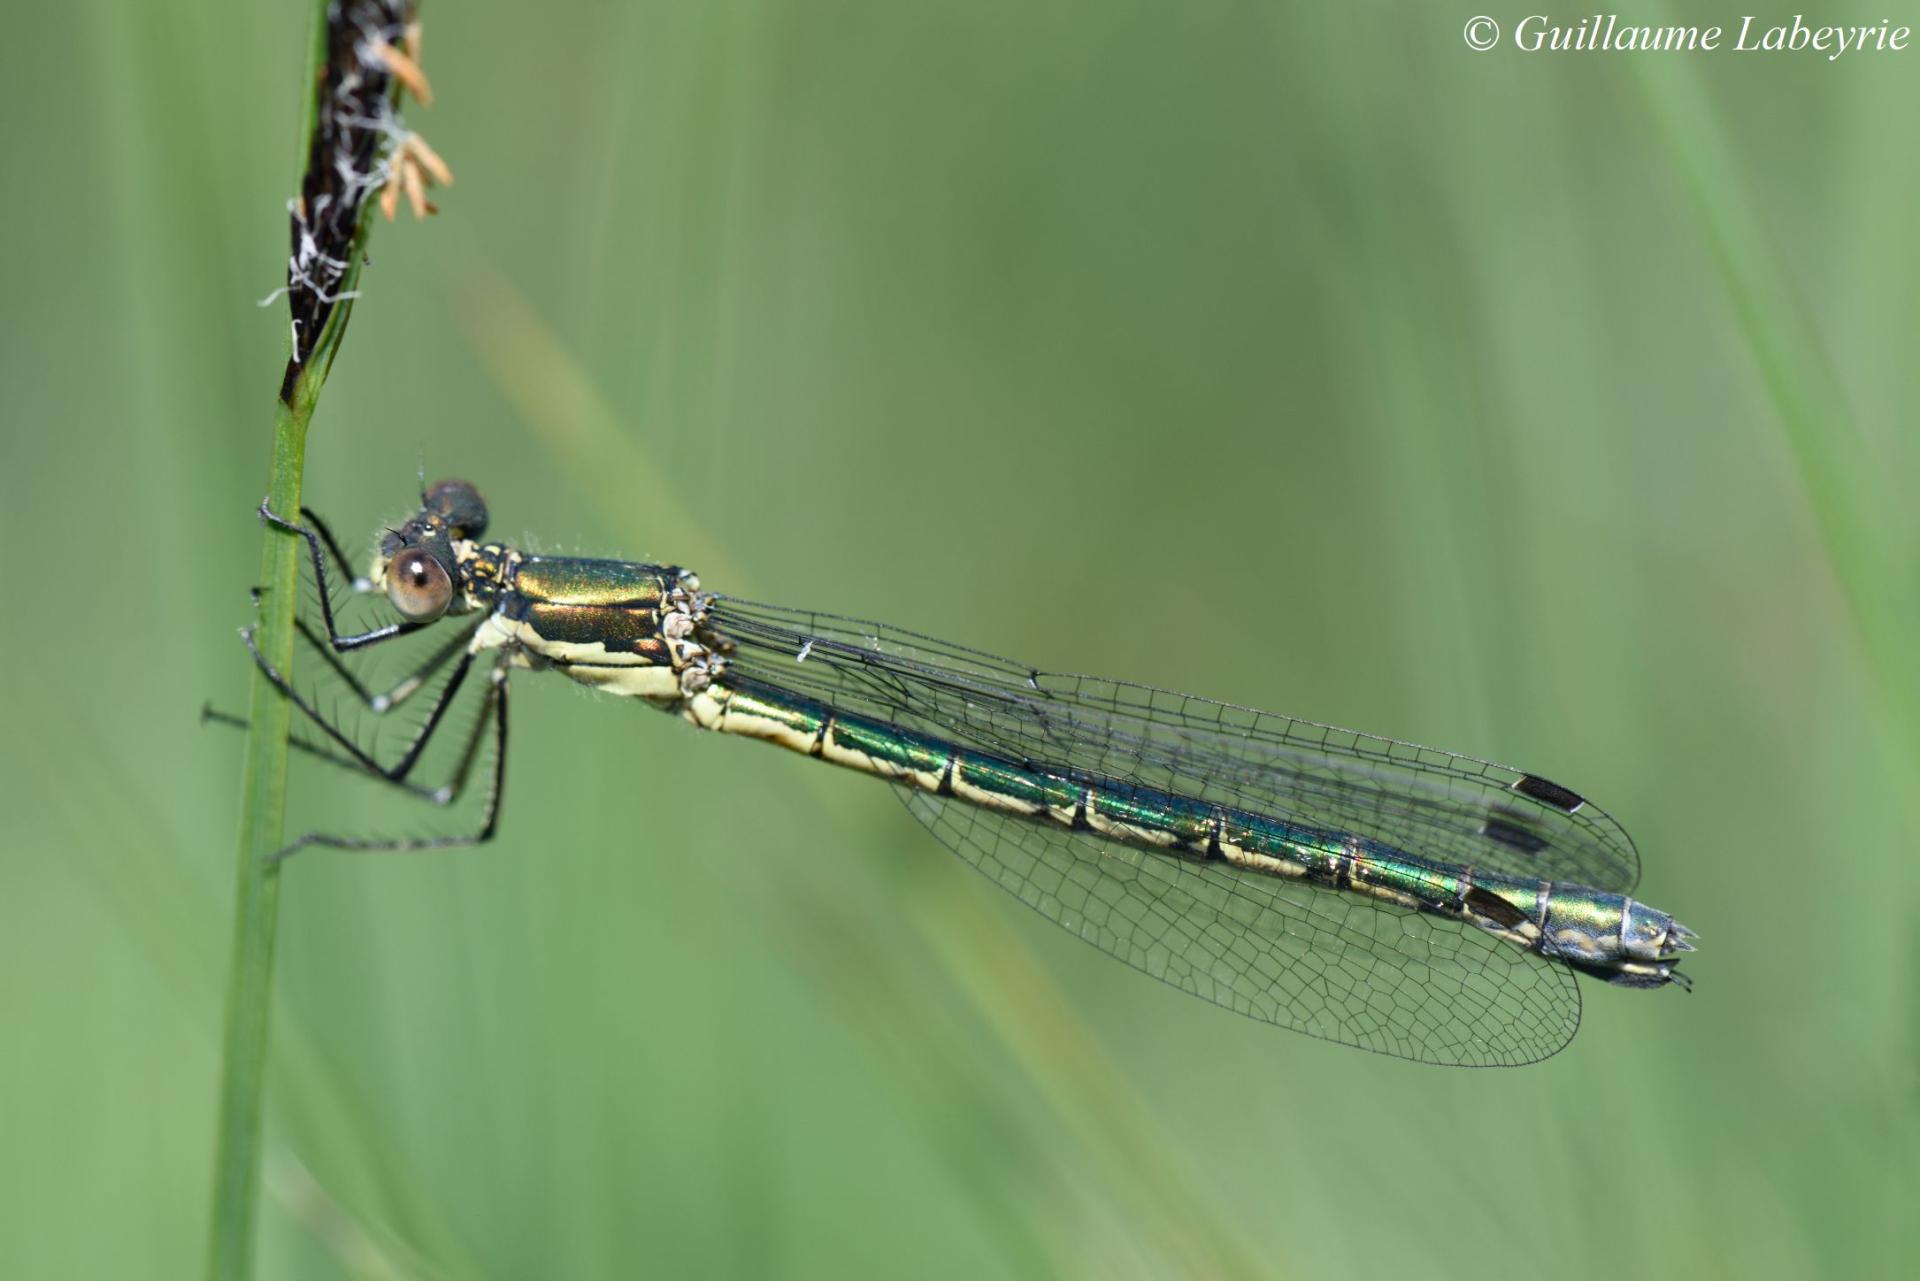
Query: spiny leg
403	689
367	762
338	642
357	583
443	795
495	709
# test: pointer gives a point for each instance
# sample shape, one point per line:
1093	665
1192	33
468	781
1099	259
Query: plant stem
256	906
347	82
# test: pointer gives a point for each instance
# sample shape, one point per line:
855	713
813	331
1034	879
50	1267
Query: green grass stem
263	795
237	1162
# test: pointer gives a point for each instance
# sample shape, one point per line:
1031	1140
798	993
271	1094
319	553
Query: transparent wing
1331	965
1427	803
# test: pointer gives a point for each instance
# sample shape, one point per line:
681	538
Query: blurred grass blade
1845	483
357	1247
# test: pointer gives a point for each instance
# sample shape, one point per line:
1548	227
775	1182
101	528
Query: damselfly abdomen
1392	897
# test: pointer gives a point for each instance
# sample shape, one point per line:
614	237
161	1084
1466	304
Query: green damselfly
1367	891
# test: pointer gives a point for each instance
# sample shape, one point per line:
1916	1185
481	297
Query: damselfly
1392	897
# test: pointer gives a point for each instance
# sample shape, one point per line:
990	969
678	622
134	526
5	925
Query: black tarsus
421	736
340	644
417	677
312	518
494	708
332	660
445	794
351	755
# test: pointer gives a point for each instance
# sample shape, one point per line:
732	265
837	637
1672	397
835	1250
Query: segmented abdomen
1568	922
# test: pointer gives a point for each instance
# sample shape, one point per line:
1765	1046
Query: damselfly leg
329	650
359	585
422	736
315	750
340	747
317	534
456	644
493	712
401	690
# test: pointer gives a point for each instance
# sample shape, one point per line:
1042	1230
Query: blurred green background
1558	410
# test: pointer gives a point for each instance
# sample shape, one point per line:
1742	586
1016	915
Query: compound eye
461	505
418	586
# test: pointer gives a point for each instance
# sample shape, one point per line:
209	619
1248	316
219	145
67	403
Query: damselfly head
416	565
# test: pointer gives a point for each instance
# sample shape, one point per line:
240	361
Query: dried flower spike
360	150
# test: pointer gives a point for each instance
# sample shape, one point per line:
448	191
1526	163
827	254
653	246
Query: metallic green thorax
643	631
